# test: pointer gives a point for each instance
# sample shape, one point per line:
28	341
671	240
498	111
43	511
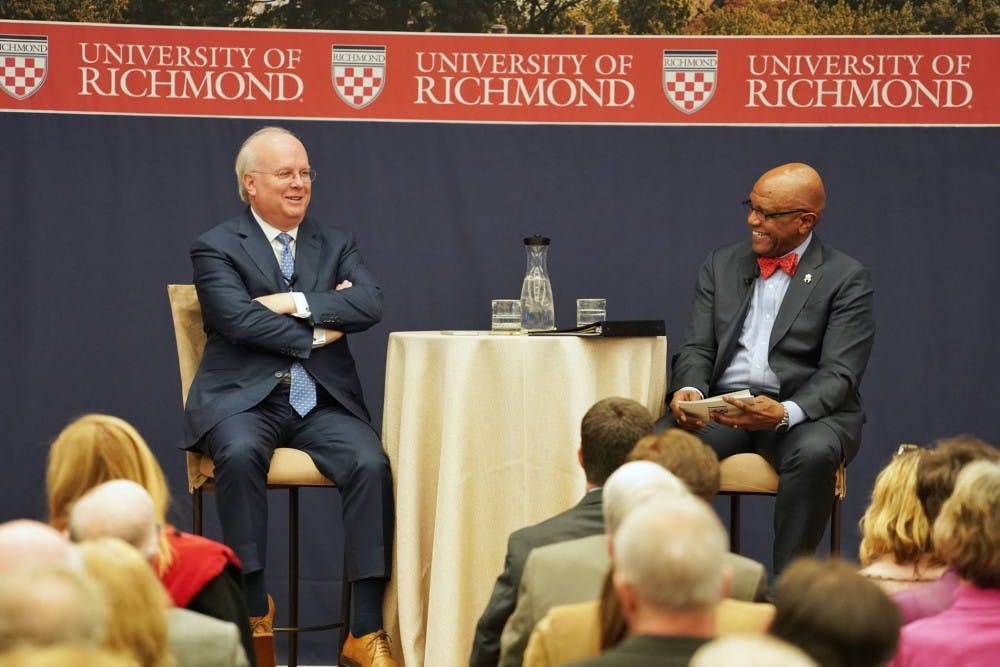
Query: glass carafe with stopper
537	307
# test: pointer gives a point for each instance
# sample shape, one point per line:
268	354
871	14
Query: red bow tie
769	265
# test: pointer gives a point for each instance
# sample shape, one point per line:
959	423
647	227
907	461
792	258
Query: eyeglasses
286	175
753	210
906	447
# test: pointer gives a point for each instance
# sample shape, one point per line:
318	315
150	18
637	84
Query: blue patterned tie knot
287	260
302	393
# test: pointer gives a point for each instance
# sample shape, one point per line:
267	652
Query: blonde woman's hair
894	522
60	656
968	529
94	449
137	601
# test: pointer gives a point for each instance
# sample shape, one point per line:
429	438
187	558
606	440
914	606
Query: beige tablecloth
483	432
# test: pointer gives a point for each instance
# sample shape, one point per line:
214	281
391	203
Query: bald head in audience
119	508
25	542
45	598
46	605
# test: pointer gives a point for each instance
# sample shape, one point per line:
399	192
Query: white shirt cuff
795	413
319	337
301	305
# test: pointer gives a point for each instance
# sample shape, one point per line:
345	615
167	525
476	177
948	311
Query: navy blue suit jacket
249	348
821	339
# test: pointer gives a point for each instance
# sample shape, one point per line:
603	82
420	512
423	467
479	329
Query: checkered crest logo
689	78
358	73
24	62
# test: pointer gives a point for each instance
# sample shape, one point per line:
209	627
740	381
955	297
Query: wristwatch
783	424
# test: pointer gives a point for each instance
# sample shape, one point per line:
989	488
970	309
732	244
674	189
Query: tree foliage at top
801	17
637	17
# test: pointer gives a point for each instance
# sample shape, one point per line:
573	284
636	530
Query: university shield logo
358	73
689	78
24	62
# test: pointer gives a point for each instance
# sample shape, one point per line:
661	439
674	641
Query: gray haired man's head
671	552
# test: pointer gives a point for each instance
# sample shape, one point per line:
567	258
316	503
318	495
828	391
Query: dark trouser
806	458
345	449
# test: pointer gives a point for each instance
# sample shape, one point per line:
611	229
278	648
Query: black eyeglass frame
751	209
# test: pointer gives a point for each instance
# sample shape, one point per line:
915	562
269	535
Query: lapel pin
808	279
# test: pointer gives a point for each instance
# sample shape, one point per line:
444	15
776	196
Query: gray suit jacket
197	640
248	345
820	342
574	571
583	519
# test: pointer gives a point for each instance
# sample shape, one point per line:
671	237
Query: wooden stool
751	474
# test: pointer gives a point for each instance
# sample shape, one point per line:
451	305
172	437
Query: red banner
85	68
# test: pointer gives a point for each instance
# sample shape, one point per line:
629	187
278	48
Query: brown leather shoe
263	636
263	626
371	650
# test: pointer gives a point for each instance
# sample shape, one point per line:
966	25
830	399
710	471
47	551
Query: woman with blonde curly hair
967	534
136	601
199	574
896	550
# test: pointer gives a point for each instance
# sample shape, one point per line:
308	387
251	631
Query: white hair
245	159
633	484
672	551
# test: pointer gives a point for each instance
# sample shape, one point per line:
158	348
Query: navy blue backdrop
98	213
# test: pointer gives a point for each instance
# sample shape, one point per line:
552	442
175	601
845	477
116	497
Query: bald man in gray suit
790	318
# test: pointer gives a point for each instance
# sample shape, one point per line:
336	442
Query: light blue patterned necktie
302	394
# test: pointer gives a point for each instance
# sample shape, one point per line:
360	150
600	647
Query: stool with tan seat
751	474
291	469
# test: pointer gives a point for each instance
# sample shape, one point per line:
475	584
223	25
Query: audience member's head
98	448
669	564
608	433
967	531
31	543
686	456
136	600
633	484
834	614
750	651
119	508
894	523
937	471
49	604
63	655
